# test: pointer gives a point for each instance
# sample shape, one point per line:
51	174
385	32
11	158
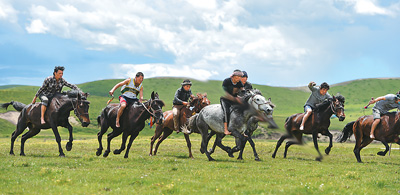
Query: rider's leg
377	120
308	112
176	115
45	102
225	108
120	111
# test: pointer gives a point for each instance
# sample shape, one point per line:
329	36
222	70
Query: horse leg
104	128
133	136
298	141
383	153
315	140
157	134
18	131
357	147
122	148
240	157
218	142
164	136
71	138
110	136
27	135
204	143
189	145
58	140
251	142
279	143
212	149
329	134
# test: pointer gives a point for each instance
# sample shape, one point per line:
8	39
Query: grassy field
172	172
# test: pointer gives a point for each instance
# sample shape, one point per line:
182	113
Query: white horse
211	117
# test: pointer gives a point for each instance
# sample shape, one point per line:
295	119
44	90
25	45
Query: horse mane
322	106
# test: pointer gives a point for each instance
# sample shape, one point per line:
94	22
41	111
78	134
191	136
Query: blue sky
279	43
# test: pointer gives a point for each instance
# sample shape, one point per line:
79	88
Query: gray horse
211	117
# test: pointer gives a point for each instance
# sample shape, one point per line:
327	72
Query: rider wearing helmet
232	86
382	106
181	98
318	95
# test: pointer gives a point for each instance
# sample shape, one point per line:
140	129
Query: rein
252	100
75	108
151	113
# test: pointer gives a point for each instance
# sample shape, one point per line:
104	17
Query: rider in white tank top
130	90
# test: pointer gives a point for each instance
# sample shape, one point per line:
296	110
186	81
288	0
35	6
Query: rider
246	84
232	86
382	106
51	86
181	98
318	95
131	87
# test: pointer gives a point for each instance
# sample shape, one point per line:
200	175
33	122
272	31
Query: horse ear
152	95
269	99
205	94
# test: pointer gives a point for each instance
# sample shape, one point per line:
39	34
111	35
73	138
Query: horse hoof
69	146
22	154
381	153
12	154
240	158
117	152
257	159
62	155
211	159
98	153
327	151
318	159
273	155
126	156
106	153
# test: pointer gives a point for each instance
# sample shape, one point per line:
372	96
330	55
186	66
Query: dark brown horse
166	128
132	122
387	131
319	123
57	114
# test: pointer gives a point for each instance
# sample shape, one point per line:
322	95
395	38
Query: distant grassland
288	101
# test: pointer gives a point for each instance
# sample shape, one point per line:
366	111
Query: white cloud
7	12
36	26
369	7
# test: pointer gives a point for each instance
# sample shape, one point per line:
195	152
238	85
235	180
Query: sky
278	43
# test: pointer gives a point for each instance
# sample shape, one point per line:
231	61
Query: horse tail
288	124
98	121
190	126
17	105
346	132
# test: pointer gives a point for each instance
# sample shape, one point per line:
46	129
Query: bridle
334	108
151	109
258	105
75	107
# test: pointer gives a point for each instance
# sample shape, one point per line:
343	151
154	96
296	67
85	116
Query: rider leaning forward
382	106
232	86
51	86
181	98
131	88
318	95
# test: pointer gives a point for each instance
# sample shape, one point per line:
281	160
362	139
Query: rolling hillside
288	100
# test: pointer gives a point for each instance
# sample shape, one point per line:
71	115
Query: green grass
171	172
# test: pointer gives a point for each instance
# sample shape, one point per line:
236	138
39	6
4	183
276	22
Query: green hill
288	100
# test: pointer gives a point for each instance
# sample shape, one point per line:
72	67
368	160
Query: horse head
81	108
337	106
199	102
156	108
263	107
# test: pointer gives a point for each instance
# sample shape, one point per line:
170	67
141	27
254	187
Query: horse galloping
387	131
211	117
56	115
132	122
166	128
319	123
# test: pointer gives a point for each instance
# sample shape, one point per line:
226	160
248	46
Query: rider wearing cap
382	106
246	84
181	98
131	88
232	86
318	95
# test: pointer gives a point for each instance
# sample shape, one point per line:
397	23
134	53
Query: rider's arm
377	100
141	95
125	82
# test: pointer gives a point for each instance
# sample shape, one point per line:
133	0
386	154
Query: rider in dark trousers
232	86
181	98
51	86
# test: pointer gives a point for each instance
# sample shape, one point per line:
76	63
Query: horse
387	131
211	117
252	125
57	114
166	128
319	123
132	122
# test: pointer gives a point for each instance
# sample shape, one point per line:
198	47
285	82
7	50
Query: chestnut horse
387	131
132	122
57	114
319	123
166	128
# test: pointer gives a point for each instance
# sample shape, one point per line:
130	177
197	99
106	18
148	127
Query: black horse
57	114
132	122
318	123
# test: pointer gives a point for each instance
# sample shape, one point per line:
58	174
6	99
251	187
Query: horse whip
368	103
108	102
